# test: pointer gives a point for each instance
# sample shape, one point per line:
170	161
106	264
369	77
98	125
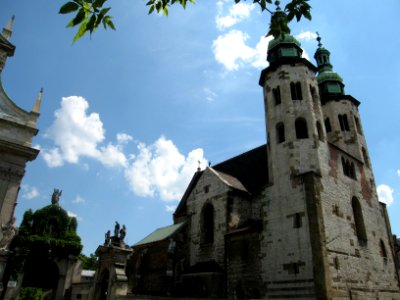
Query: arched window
328	127
320	131
349	168
280	133
359	221
207	224
301	129
277	95
295	90
343	122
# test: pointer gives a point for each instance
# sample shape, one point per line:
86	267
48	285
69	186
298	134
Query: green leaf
151	9
91	24
98	3
78	18
68	8
111	24
81	32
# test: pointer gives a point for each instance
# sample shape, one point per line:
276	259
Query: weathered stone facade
17	129
299	217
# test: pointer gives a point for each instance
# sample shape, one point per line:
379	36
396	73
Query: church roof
230	180
246	172
160	234
248	168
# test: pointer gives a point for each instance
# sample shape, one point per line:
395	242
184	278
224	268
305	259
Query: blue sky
127	115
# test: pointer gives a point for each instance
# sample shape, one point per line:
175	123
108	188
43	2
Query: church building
296	218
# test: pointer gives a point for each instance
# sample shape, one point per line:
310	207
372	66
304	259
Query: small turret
7	32
330	83
6	48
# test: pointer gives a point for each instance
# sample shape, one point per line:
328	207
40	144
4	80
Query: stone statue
116	229
107	238
9	231
55	198
122	234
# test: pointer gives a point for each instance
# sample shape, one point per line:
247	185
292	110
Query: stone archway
44	274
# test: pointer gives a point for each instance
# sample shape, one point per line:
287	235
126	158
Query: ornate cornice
18	150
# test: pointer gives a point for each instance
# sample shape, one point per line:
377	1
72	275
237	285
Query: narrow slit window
359	221
297	220
328	127
207	224
320	131
280	133
383	250
277	95
365	156
358	125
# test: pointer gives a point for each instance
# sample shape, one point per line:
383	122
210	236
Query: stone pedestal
111	281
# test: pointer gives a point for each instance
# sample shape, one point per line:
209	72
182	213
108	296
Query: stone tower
326	236
17	128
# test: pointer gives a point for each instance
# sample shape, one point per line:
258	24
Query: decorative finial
8	30
277	3
198	168
36	107
319	39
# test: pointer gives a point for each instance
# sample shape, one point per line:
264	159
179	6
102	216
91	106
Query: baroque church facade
296	218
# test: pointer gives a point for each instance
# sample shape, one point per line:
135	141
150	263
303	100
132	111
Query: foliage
30	293
47	233
90	13
89	262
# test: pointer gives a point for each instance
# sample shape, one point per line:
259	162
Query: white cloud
385	194
209	94
260	58
112	156
124	138
29	192
52	157
77	134
237	13
231	50
160	169
78	200
170	208
306	36
398	172
73	215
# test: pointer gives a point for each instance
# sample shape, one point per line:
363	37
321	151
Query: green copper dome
330	83
328	76
285	39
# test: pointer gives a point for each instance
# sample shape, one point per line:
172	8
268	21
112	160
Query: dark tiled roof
250	168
